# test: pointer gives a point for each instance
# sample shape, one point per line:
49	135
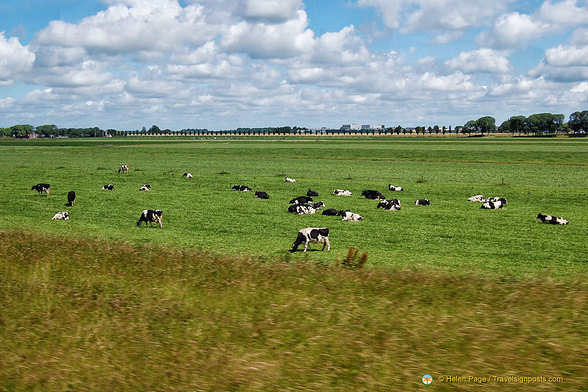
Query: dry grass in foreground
85	315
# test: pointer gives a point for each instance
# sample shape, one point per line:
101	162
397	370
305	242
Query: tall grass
95	315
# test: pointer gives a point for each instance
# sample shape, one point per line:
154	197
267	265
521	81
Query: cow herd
302	205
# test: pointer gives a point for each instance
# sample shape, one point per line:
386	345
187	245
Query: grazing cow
390	205
145	187
108	187
288	179
395	188
307	235
374	195
342	192
149	216
317	206
311	193
261	195
301	209
301	200
63	215
477	198
422	202
241	188
71	197
351	217
492	205
333	212
41	188
123	169
552	219
187	175
495	199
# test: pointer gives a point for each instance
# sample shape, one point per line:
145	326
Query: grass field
548	176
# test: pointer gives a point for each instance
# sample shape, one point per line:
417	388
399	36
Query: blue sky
221	64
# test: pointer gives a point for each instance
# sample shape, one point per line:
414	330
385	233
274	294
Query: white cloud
482	60
565	13
272	10
15	60
513	30
565	56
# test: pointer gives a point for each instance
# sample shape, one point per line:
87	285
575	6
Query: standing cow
312	234
123	169
41	188
71	197
150	216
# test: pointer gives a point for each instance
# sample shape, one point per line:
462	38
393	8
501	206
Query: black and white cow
145	187
63	215
41	188
261	195
492	205
301	200
373	195
311	193
477	198
108	187
395	188
188	175
500	199
307	235
71	198
317	206
333	212
123	169
301	209
552	219
422	202
342	192
351	217
150	216
241	188
288	179
390	205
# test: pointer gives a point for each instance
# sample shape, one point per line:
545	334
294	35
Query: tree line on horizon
540	124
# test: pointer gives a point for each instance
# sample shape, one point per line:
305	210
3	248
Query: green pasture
535	175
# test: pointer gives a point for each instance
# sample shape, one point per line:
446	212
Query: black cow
373	195
422	202
108	187
390	205
312	234
149	216
261	195
241	188
552	219
333	212
311	193
301	200
71	197
41	188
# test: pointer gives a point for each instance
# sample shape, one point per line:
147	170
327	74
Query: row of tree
541	124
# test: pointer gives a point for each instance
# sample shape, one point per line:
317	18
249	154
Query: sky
223	64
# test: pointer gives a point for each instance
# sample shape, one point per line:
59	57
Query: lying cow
395	188
71	197
288	179
422	202
373	195
477	198
351	217
150	216
311	193
41	188
333	212
301	209
317	206
495	199
108	187
145	187
123	169
301	200
261	195
241	188
63	215
312	234
552	219
187	175
390	205
342	192
492	205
